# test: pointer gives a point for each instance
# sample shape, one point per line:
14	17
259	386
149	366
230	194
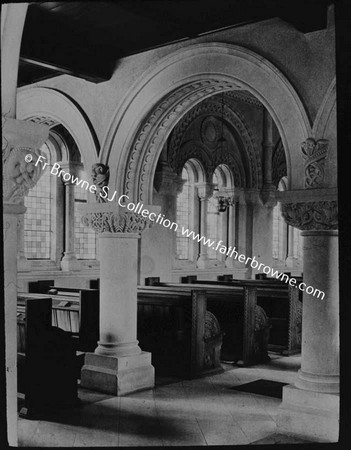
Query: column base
202	262
118	375
70	262
308	414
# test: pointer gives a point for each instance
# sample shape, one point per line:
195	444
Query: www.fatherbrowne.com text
161	220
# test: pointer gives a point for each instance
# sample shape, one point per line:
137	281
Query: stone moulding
317	215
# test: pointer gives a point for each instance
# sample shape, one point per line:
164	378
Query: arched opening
148	114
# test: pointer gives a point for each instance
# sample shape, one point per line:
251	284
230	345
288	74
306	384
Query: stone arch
51	107
325	127
154	105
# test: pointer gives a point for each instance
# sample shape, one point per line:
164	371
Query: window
287	241
219	227
183	216
84	238
38	217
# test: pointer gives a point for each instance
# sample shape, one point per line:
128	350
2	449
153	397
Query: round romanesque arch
153	106
51	107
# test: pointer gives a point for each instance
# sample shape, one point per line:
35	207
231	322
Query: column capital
113	218
167	181
72	167
204	190
21	141
313	215
115	222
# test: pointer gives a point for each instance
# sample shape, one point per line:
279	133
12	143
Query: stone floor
205	411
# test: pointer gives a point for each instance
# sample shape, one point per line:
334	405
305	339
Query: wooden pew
283	304
238	315
76	311
45	359
175	326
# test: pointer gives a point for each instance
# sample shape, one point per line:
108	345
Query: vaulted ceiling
86	39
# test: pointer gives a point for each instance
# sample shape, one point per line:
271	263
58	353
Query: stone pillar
69	261
311	406
118	365
205	191
268	189
290	259
20	139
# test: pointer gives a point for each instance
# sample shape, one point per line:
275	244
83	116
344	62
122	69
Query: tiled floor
197	412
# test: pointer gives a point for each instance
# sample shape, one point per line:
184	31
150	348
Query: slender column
289	262
20	139
22	262
310	407
69	261
118	365
229	262
267	192
204	191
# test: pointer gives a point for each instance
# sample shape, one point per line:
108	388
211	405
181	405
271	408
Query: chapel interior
219	119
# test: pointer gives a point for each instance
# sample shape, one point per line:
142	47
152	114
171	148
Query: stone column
205	191
69	261
268	188
19	140
118	365
311	406
290	259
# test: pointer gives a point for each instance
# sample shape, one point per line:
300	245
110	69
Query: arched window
220	225
287	241
183	214
187	210
38	219
49	209
280	229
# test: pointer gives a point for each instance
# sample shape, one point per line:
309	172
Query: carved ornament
314	153
318	215
113	222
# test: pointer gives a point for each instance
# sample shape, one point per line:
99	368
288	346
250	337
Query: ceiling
85	39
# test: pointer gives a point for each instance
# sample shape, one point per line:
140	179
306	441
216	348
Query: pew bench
243	322
45	359
183	336
282	303
76	311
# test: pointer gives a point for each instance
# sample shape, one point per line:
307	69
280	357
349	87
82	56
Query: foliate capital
20	151
315	215
115	222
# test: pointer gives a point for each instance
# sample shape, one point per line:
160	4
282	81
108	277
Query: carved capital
20	151
114	222
314	153
204	191
318	215
167	182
